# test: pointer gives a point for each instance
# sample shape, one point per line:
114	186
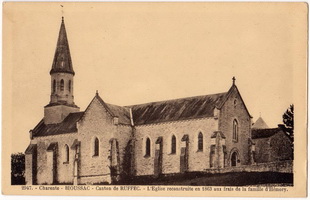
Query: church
107	143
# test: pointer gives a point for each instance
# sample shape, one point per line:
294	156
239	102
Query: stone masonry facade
96	122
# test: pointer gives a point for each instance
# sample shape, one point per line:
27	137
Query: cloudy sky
135	53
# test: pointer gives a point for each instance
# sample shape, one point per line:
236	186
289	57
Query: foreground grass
226	179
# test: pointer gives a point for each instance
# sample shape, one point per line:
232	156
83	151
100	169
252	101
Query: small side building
271	145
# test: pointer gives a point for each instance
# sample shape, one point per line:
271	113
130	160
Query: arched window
235	130
96	147
200	142
66	153
54	86
173	145
148	147
62	84
69	86
235	103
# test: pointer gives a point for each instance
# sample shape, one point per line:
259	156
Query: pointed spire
62	59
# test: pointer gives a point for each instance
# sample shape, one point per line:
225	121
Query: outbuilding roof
264	133
260	124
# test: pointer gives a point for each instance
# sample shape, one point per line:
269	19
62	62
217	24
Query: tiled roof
117	111
260	124
52	147
75	143
149	113
264	133
216	133
178	109
31	149
62	59
68	125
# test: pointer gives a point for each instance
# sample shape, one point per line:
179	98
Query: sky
135	53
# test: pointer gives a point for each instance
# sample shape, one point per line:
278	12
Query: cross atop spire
233	79
62	59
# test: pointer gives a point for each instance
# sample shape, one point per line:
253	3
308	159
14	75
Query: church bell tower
61	99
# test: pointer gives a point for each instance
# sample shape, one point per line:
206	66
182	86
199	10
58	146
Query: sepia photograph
154	99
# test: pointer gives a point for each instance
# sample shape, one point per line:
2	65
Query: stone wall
44	159
274	148
197	160
97	179
235	109
281	147
29	164
262	150
281	166
56	114
123	135
98	123
65	95
92	169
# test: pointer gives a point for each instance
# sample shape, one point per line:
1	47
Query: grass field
225	179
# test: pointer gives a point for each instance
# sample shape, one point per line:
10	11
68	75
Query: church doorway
158	162
234	159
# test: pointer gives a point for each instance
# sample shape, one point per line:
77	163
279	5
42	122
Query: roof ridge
76	112
125	107
264	133
257	129
105	105
183	98
115	110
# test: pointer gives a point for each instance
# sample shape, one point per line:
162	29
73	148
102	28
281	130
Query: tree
17	169
288	120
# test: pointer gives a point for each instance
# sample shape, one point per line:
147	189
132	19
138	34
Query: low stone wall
281	166
95	180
